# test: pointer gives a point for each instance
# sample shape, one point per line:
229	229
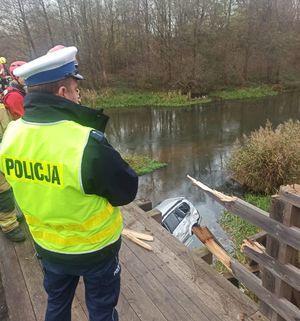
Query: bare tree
195	45
42	4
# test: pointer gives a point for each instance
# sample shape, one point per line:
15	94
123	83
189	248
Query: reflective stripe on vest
42	162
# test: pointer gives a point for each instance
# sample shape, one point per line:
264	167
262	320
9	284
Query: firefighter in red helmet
13	96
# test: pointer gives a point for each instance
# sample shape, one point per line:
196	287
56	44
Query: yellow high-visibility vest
42	163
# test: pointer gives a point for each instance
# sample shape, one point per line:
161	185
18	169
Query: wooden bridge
170	283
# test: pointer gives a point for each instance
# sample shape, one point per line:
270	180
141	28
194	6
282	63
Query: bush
268	158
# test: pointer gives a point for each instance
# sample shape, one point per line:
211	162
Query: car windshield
185	208
182	210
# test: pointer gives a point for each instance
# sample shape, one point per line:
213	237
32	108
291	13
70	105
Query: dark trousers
102	289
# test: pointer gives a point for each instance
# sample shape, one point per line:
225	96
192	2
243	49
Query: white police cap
49	68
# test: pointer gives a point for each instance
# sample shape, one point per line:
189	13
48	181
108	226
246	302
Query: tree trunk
47	21
25	26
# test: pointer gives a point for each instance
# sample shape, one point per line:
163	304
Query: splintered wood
137	238
206	237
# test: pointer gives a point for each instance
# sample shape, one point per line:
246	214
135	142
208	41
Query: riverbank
116	98
120	98
245	93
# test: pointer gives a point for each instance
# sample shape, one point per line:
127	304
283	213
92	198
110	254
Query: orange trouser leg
8	214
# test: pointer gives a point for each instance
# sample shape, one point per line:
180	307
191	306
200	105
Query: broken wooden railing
279	287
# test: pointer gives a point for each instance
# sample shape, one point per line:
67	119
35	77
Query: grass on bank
244	93
119	98
110	98
142	164
239	229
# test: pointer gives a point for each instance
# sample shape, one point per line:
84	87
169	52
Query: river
196	140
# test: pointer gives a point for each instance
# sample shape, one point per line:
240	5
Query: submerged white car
179	216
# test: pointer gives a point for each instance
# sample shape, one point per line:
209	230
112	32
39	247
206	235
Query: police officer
69	182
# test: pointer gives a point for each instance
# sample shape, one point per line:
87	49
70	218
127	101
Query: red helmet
15	65
55	48
58	47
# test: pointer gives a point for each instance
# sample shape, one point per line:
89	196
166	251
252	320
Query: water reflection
196	141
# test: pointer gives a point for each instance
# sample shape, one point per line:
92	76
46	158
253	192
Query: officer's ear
62	90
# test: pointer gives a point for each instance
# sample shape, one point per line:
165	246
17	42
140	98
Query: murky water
196	141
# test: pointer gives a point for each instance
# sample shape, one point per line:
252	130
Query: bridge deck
171	283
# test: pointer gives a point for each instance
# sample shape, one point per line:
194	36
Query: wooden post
289	215
205	254
145	205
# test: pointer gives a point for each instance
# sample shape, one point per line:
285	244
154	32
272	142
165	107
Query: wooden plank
272	249
126	313
256	317
260	237
290	194
133	238
205	236
145	205
215	291
33	278
285	272
284	234
16	293
287	255
205	254
184	295
283	307
156	215
138	298
296	298
256	216
159	295
175	254
3	306
283	254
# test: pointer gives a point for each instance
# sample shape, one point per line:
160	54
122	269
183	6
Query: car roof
167	205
